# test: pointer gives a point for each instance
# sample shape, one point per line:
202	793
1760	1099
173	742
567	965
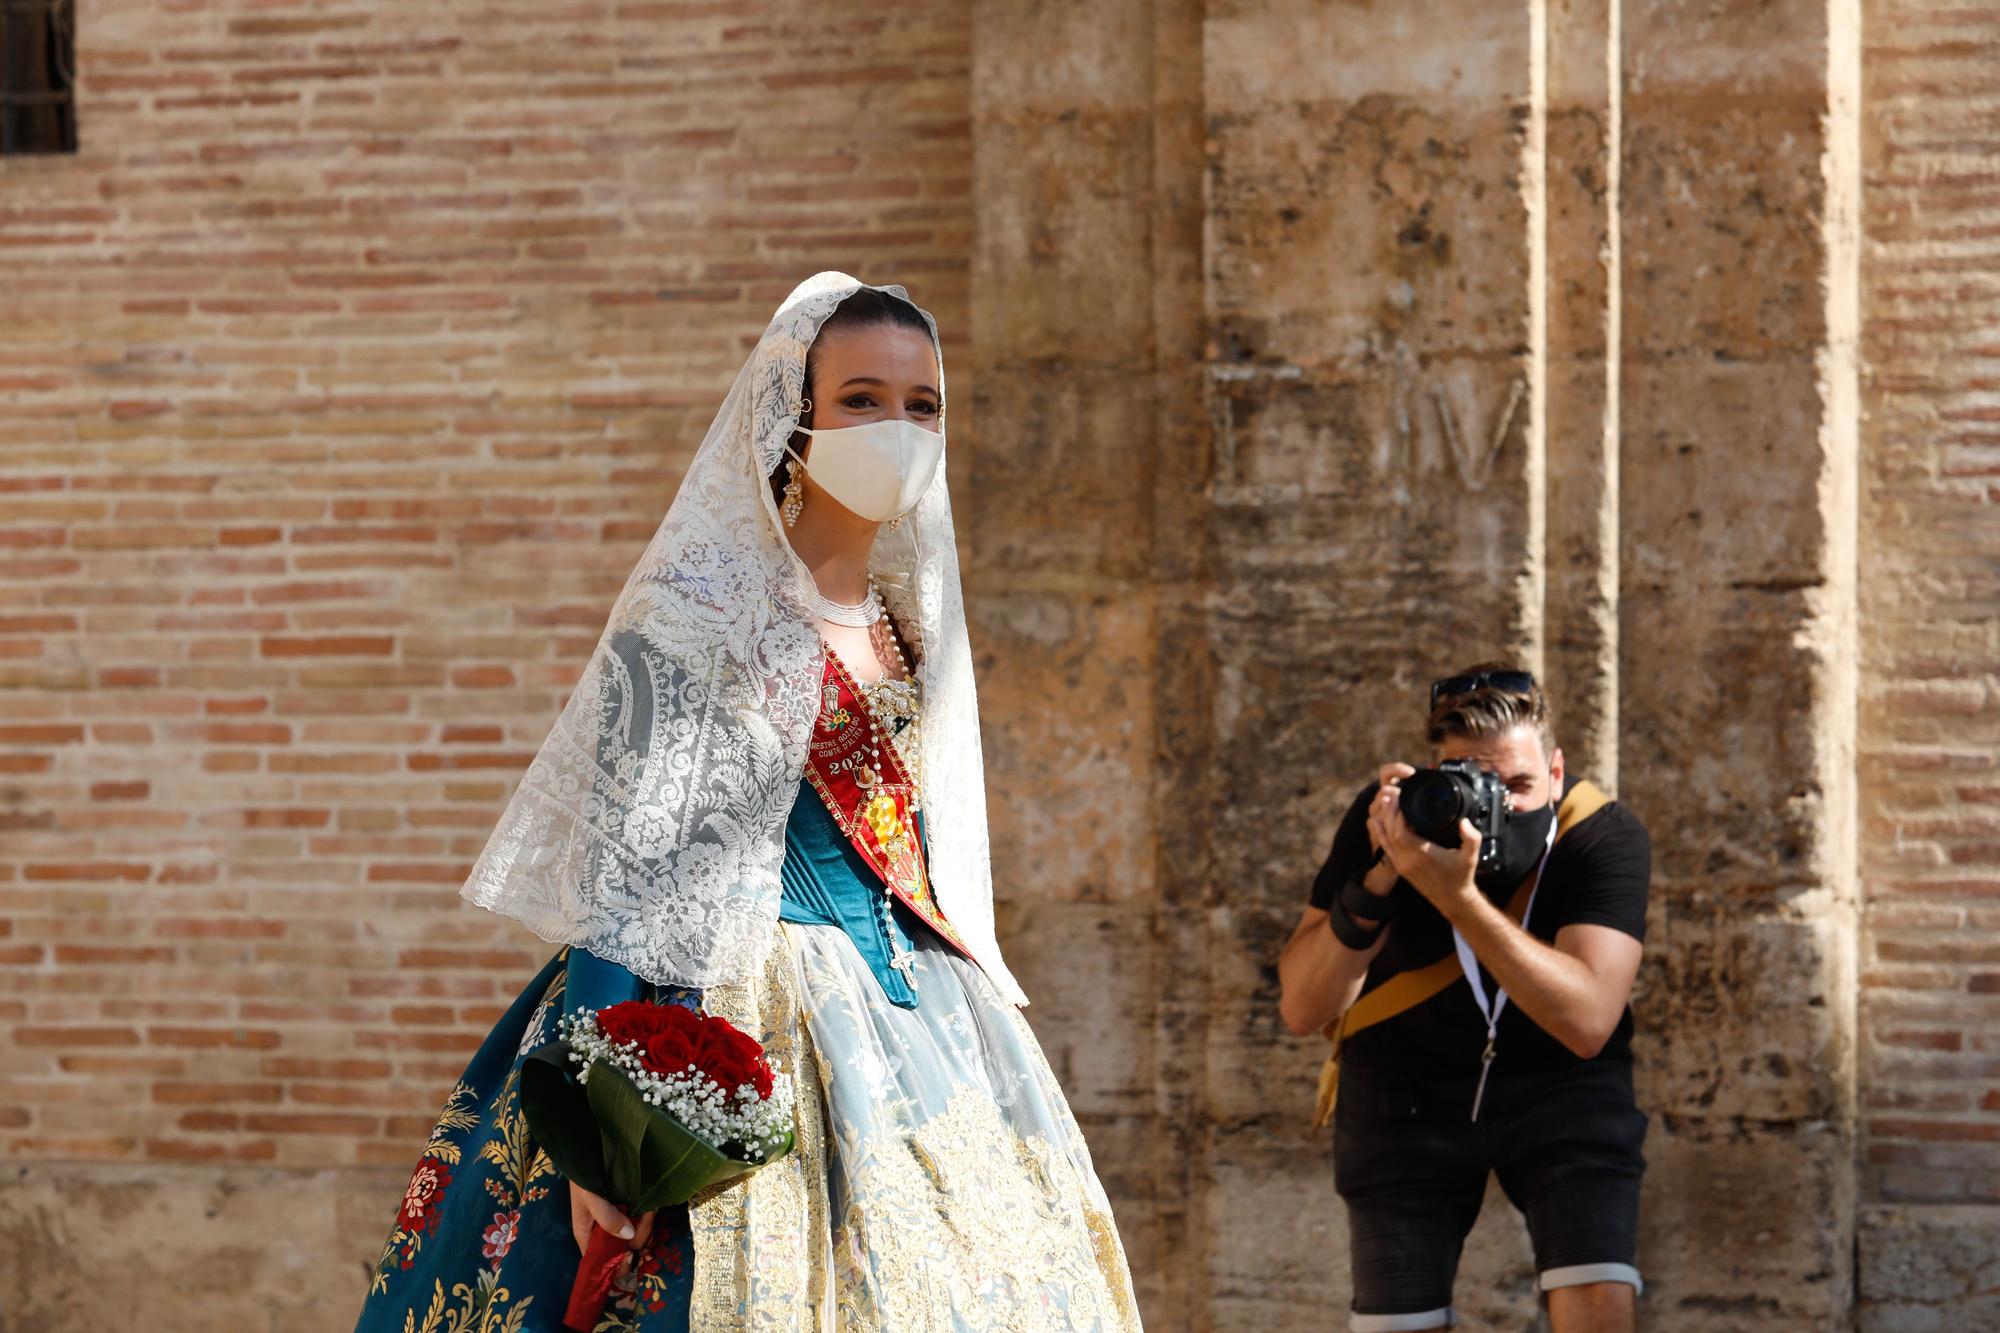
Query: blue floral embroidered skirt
940	1183
482	1242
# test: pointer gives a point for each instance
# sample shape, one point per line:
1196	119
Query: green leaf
561	1118
621	1124
667	1149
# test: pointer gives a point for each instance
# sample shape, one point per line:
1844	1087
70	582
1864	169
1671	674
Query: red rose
725	1036
636	1020
679	1022
671	1037
665	1033
715	1056
732	1058
667	1052
630	1021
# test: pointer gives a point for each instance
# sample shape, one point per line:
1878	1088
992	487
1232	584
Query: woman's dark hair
866	308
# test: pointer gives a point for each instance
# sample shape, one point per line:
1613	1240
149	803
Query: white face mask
879	470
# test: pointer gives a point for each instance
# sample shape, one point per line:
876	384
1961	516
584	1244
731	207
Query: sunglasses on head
1510	682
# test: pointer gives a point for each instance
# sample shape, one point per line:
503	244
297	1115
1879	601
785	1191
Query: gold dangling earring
795	494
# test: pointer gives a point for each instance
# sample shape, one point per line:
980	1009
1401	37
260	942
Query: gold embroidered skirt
940	1183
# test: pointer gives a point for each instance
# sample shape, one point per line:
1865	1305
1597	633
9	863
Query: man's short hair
1487	712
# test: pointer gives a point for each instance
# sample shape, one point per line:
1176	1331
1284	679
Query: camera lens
1433	803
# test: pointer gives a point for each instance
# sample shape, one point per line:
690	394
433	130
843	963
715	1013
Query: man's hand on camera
1380	878
1444	875
1388	778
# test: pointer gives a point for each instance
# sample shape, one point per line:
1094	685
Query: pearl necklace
859	616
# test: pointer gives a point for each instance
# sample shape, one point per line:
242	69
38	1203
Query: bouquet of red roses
647	1105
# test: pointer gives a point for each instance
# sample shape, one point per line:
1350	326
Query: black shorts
1412	1168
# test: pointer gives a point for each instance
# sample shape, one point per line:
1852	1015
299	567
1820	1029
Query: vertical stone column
1736	627
1578	417
1373	305
1086	556
1490	330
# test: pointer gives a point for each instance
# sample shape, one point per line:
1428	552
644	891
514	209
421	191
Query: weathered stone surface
1421	252
1929	1270
1276	51
1091	969
1734	604
1066	497
1736	1015
1078	729
1699	438
1054	180
1720	220
1734	1226
189	1249
1300	351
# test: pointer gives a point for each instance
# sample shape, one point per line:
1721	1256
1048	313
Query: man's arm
1318	976
1575	990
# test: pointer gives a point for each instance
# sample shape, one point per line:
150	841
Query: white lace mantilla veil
651	825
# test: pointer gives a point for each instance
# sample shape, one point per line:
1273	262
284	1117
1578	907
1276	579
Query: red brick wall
343	376
1931	608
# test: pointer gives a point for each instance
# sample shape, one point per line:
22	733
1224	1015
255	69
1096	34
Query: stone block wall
1368	367
1300	350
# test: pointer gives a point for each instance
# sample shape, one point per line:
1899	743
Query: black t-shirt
1596	875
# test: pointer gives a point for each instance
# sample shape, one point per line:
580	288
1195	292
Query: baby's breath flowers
699	1069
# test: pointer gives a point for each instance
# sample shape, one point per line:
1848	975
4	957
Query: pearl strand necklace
859	616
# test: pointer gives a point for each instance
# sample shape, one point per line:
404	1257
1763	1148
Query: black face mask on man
1526	839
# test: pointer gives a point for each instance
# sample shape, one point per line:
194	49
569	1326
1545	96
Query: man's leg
1568	1155
1402	1257
1412	1181
1592	1307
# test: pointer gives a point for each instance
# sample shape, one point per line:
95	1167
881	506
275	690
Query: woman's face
879	373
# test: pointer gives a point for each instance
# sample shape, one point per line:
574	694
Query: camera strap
1407	990
1491	1010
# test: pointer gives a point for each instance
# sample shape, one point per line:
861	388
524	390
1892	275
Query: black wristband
1348	931
1359	902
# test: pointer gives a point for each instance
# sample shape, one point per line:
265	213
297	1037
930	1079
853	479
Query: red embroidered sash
853	764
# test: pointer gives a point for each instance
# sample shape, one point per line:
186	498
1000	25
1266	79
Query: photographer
1467	1042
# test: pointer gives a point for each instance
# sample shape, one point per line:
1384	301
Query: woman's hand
586	1209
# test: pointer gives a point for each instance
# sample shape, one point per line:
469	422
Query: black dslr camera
1435	799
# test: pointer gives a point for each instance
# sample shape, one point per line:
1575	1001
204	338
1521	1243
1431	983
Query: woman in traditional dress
765	798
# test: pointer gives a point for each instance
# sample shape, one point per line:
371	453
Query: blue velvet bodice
826	883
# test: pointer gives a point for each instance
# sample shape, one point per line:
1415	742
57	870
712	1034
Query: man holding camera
1470	948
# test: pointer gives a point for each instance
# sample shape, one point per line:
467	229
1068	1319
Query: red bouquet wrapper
594	1277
